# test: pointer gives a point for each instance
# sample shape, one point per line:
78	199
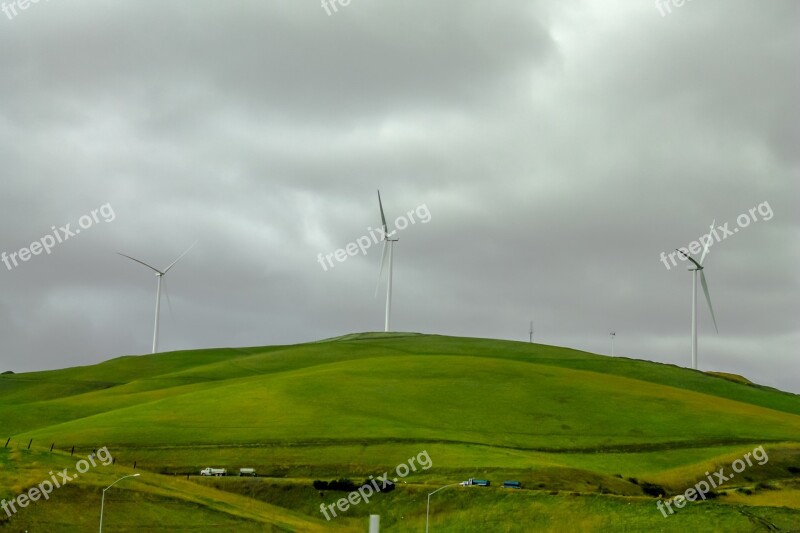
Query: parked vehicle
213	472
247	472
512	485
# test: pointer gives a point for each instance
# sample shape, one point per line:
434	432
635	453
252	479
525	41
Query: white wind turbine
698	267
388	245
159	274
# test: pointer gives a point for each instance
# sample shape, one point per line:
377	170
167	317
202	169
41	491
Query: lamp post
103	499
428	510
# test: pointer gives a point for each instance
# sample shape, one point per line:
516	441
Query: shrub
389	488
342	484
651	489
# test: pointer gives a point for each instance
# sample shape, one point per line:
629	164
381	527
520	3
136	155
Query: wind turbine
388	245
613	334
698	267
159	274
530	333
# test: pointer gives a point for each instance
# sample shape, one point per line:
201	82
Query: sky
548	153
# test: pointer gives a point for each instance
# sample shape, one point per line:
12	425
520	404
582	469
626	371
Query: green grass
148	502
554	418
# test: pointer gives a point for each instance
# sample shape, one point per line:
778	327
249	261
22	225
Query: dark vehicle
512	485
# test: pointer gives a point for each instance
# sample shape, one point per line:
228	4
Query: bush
651	489
633	480
343	484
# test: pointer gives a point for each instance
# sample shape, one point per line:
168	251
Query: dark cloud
560	148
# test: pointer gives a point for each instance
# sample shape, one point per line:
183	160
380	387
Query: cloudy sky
556	149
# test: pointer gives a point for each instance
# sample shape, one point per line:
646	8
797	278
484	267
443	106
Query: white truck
247	472
213	472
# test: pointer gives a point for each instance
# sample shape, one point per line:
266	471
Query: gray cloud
560	148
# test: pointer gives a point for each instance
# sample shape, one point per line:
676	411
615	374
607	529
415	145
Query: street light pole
103	499
428	510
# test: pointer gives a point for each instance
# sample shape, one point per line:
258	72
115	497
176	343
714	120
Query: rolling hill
588	436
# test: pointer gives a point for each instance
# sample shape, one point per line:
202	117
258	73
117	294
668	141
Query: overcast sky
558	148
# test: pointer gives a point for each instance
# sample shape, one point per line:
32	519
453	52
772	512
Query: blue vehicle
512	485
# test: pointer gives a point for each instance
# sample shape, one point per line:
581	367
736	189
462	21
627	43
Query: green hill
559	420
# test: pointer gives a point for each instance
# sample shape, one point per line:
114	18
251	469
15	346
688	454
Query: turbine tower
388	245
695	269
613	335
159	274
530	333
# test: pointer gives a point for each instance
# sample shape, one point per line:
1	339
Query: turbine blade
141	262
383	217
166	293
689	257
706	245
380	272
179	258
708	298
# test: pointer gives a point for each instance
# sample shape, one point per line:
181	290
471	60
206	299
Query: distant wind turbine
613	335
531	332
698	267
388	245
159	274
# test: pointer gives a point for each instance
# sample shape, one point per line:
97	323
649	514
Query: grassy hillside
559	420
